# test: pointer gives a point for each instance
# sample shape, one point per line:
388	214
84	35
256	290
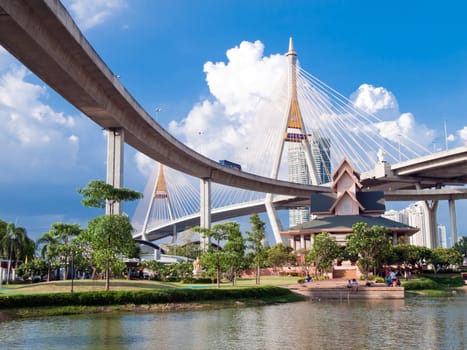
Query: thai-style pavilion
345	205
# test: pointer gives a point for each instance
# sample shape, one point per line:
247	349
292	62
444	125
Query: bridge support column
452	214
205	211
431	223
115	142
273	218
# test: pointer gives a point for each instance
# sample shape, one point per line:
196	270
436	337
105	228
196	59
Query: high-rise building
298	169
415	215
442	237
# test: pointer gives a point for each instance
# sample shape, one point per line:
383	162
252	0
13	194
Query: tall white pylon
294	132
160	193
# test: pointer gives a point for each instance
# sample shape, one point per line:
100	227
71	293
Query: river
413	323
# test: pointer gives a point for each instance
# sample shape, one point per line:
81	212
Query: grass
242	299
435	285
120	284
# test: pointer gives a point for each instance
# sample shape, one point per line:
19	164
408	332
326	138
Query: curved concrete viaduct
43	36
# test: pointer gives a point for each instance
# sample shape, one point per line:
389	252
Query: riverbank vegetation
435	285
159	298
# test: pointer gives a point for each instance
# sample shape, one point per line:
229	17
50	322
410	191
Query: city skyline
170	83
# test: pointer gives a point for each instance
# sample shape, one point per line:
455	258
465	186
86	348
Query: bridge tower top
161	187
294	118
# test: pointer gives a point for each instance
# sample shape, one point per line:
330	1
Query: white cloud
144	164
375	100
396	126
35	140
90	13
221	128
463	135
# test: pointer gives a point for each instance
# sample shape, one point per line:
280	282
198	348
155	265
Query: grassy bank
435	285
49	299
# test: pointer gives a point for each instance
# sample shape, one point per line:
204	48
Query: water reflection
389	324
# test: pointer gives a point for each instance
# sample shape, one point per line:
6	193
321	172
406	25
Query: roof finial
291	50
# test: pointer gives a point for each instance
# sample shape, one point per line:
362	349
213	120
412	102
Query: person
349	284
308	278
392	278
354	284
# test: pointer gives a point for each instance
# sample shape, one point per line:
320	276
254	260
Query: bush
430	281
137	297
376	279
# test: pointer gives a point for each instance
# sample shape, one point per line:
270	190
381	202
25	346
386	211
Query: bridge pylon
161	194
296	135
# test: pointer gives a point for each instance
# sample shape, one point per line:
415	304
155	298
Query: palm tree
49	243
63	233
14	243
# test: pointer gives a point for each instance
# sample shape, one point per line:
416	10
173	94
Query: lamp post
72	269
157	110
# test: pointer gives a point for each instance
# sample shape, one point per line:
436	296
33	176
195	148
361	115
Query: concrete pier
337	290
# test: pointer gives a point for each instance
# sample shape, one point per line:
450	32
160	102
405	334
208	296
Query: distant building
415	215
298	169
442	237
346	205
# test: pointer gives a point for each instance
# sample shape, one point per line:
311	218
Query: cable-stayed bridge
305	117
303	112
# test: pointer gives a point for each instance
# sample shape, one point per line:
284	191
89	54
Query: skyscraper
298	169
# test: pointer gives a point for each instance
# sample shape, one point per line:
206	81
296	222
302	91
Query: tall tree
234	249
371	244
49	243
109	237
325	250
96	194
64	233
14	244
214	260
255	239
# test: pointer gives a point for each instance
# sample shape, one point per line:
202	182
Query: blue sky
415	51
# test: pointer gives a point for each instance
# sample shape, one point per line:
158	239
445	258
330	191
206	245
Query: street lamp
157	112
72	269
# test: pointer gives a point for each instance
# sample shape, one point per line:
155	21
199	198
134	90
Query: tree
371	244
64	232
444	257
279	255
461	246
97	193
14	244
234	249
49	242
214	260
411	255
255	239
323	253
109	238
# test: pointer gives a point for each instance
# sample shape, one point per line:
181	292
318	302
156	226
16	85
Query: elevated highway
42	35
446	168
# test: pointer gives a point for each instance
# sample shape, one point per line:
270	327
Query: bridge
43	36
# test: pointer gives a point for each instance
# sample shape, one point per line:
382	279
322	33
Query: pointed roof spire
291	50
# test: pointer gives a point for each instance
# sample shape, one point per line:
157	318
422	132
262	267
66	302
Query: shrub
137	297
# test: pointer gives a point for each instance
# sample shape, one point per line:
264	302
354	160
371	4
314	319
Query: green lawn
120	284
